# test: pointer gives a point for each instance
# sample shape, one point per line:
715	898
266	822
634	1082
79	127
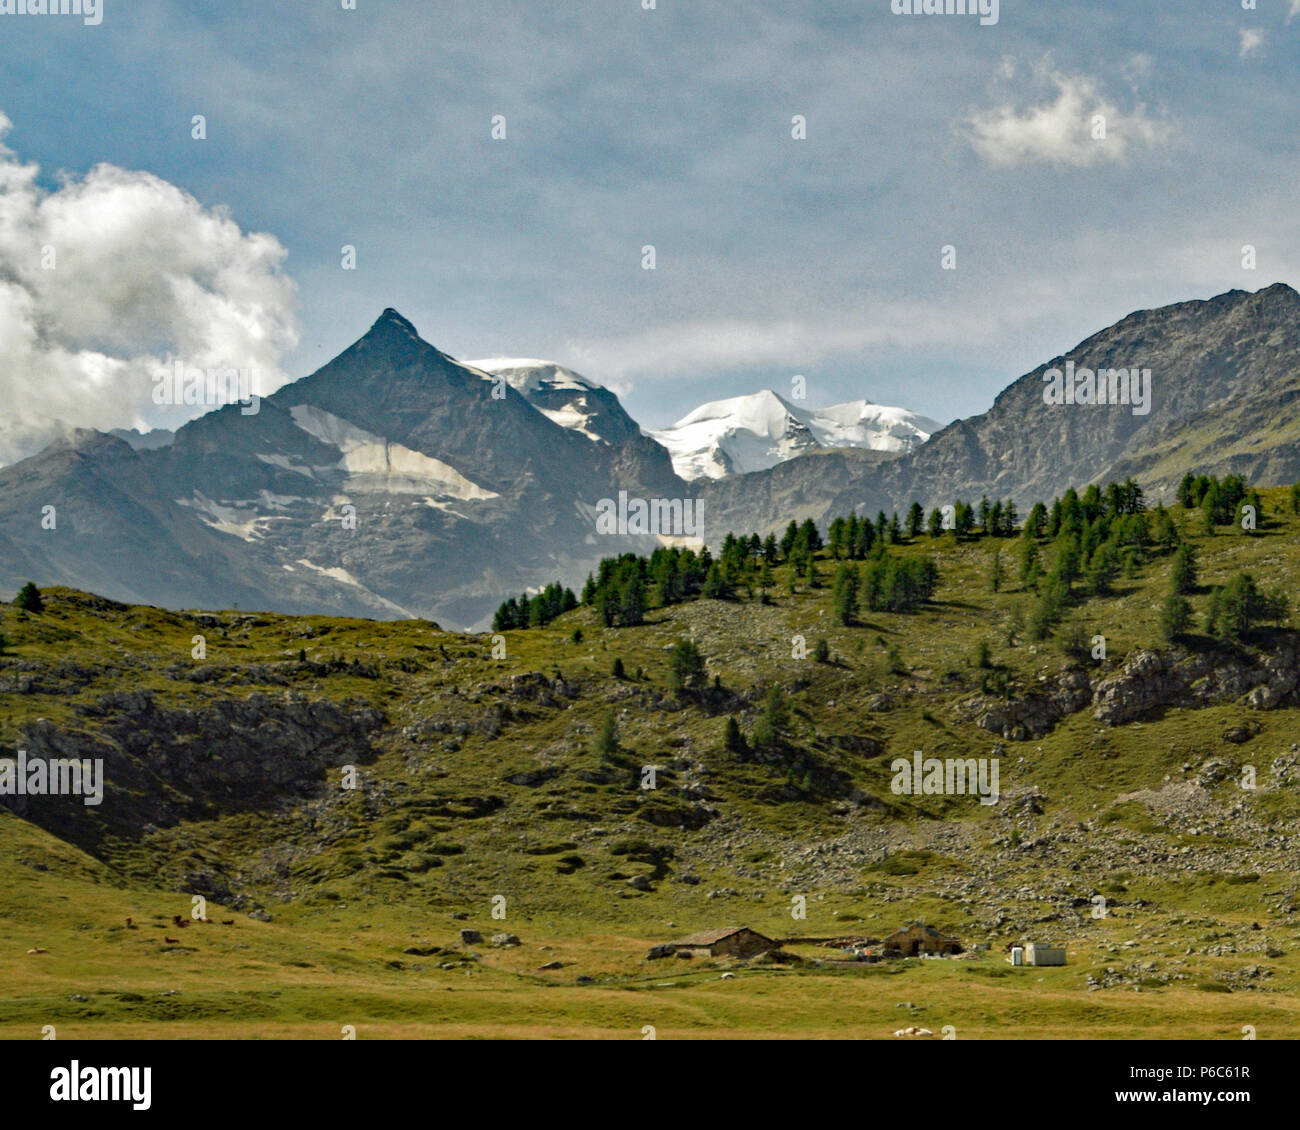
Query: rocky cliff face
162	765
1151	679
1148	681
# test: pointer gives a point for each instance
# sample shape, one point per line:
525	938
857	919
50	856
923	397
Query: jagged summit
390	320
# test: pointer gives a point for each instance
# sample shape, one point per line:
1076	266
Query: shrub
716	586
1030	566
1182	580
844	594
732	739
29	599
1239	605
536	611
1175	616
995	571
1102	570
1049	607
1073	642
899	584
774	719
894	660
685	665
607	737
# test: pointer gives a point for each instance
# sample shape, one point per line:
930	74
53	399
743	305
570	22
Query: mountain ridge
1239	349
398	481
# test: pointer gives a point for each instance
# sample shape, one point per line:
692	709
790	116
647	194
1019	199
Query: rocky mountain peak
391	321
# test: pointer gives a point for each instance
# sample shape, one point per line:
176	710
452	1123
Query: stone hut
918	939
730	941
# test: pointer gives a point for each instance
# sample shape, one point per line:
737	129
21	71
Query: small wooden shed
730	941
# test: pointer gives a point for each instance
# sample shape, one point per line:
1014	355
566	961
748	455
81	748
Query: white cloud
1295	10
1063	130
1252	40
721	345
142	275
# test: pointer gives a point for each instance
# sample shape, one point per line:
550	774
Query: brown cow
171	941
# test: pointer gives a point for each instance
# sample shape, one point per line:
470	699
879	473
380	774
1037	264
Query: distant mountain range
752	433
396	481
392	482
1224	383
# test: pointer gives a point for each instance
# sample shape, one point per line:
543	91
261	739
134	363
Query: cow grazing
171	941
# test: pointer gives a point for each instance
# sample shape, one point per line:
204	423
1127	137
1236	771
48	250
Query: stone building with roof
918	939
730	941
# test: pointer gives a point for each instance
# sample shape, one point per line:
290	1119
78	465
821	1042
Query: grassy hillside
479	778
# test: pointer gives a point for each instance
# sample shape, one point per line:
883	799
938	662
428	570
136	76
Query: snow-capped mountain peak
757	431
736	435
860	423
561	395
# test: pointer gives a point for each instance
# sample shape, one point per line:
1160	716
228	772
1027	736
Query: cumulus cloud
1251	41
109	279
1077	124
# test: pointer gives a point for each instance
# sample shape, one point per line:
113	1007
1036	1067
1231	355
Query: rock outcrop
164	764
1148	681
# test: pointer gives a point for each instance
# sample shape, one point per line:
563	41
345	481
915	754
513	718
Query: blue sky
672	127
